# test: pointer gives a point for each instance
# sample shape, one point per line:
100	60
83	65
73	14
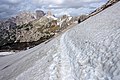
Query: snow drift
88	51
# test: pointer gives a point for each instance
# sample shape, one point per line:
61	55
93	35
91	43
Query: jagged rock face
35	31
46	26
50	15
20	19
39	14
7	36
8	24
65	21
27	34
28	30
7	31
82	18
24	18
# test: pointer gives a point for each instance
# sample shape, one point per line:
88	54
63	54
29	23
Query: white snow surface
6	53
88	51
54	18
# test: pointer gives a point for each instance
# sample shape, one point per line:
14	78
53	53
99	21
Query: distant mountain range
29	27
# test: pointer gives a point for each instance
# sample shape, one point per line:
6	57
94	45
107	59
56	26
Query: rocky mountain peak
49	13
24	17
39	14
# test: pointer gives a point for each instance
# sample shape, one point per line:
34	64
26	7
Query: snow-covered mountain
88	51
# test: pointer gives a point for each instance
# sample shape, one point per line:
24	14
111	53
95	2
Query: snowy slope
88	51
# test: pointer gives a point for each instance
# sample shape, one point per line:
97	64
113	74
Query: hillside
26	31
88	51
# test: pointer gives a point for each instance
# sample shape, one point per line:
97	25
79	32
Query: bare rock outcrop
29	34
82	18
39	14
109	3
24	18
64	21
18	30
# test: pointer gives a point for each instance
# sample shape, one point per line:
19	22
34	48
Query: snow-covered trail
88	51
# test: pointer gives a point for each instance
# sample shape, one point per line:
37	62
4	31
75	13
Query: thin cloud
9	8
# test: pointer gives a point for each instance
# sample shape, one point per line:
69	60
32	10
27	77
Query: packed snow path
88	51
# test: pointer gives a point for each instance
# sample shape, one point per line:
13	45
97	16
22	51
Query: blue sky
10	8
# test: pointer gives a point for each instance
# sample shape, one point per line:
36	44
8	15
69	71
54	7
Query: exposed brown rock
24	17
82	18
